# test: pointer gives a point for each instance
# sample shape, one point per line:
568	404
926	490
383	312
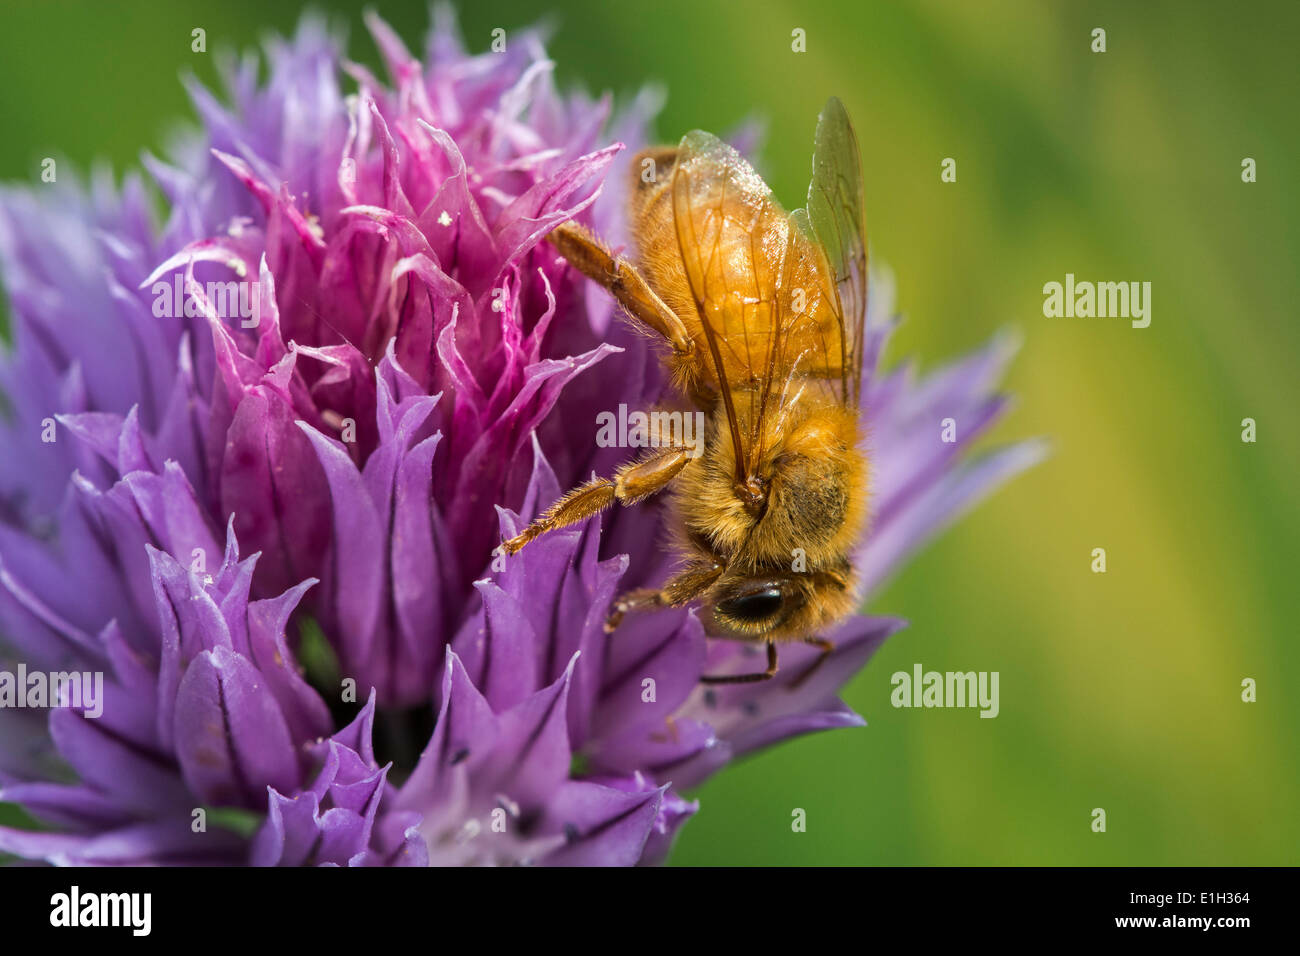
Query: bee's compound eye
755	606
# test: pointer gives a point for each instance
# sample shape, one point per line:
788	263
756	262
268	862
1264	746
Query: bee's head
779	605
755	606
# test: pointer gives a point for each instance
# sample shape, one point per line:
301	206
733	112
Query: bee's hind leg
631	483
746	678
590	256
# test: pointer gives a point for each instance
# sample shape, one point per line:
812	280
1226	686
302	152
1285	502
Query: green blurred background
1121	690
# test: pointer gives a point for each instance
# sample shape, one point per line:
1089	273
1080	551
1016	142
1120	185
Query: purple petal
602	826
231	739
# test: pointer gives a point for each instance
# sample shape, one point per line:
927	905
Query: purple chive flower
349	355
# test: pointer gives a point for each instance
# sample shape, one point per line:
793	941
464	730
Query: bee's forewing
781	300
731	237
837	217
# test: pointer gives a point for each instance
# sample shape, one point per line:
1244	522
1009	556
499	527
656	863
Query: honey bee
764	314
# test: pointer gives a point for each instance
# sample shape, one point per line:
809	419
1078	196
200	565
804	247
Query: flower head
349	355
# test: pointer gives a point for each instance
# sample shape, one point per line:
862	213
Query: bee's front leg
822	645
678	590
746	678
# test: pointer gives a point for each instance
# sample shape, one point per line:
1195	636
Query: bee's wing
732	237
780	300
837	219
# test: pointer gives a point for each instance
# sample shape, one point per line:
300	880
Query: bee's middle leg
631	483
